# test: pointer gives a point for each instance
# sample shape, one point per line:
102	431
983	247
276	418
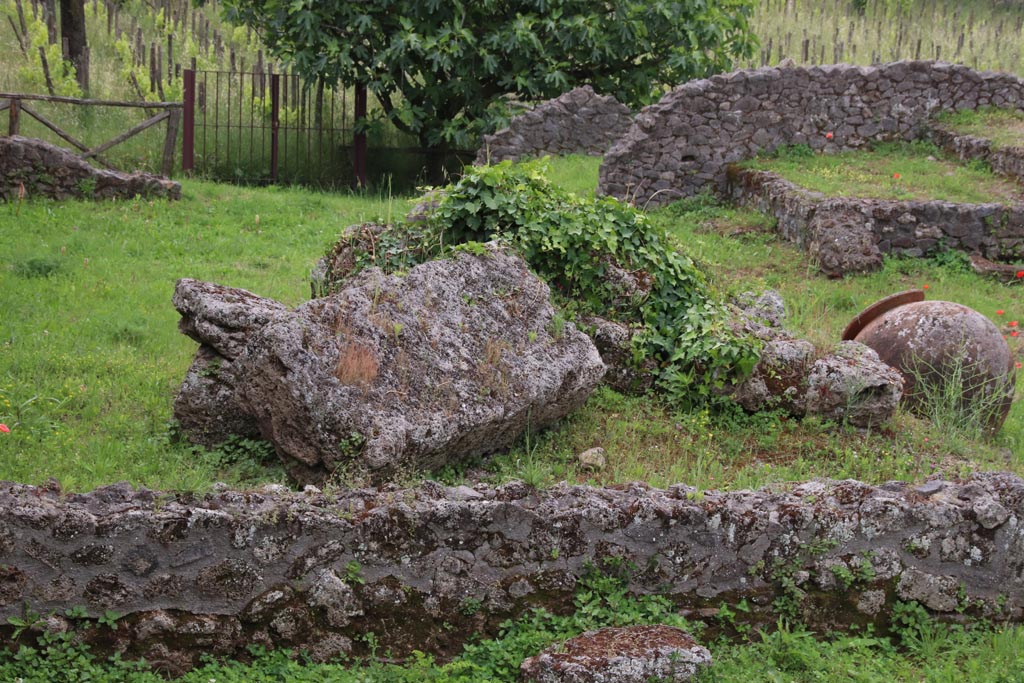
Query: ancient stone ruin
45	170
683	144
578	122
457	358
850	235
687	143
194	574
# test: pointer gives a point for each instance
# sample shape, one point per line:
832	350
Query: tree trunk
72	29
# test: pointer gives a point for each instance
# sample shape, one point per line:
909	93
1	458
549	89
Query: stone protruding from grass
457	358
630	654
45	170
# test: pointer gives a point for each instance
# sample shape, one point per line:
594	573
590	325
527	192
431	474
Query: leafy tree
442	68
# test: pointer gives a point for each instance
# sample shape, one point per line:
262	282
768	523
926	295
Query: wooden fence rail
170	112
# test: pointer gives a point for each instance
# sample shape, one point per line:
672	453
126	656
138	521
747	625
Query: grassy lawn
904	171
92	356
1004	127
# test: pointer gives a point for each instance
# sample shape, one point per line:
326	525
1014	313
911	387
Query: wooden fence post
170	142
14	117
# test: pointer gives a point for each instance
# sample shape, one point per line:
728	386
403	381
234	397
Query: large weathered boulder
630	654
457	358
47	170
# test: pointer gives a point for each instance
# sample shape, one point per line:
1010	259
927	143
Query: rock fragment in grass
631	654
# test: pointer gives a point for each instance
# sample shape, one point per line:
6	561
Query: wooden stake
46	71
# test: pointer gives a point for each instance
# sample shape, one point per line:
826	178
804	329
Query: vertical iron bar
275	122
359	138
252	123
216	116
188	141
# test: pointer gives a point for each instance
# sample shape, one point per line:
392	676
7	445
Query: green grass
91	354
1004	127
901	171
92	357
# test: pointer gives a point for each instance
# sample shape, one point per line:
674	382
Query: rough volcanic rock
843	243
223	320
577	122
630	654
779	378
848	384
457	358
614	341
50	171
854	385
215	573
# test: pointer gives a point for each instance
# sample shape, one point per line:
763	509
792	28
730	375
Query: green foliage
38	266
581	248
440	70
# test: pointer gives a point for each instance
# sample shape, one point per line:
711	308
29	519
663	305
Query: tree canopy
442	68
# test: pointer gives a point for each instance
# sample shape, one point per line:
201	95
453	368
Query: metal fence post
359	139
188	138
275	122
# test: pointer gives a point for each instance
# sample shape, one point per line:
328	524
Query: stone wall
424	568
682	145
1005	160
46	170
846	235
577	122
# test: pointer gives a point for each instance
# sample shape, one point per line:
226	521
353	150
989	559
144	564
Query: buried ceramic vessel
943	349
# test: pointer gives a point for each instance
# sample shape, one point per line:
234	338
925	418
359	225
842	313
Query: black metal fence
267	128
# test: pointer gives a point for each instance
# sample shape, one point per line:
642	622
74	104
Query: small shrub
39	267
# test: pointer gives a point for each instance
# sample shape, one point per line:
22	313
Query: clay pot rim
879	308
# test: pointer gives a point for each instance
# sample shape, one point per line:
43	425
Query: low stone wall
682	145
577	122
45	170
1008	161
847	235
424	568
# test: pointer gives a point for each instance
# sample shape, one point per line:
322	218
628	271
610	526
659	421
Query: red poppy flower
1020	273
895	176
4	428
828	135
924	286
1014	333
1012	323
999	312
